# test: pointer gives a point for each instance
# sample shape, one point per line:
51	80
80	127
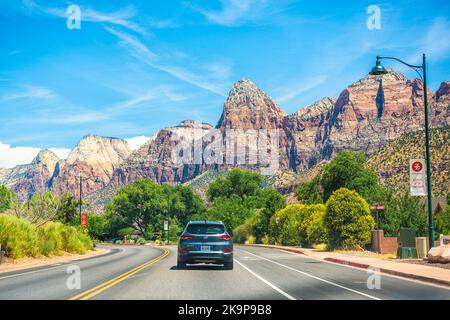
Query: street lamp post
378	69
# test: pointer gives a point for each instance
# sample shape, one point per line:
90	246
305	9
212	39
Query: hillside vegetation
391	162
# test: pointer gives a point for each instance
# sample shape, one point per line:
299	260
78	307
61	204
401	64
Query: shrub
141	241
18	237
241	233
50	238
348	220
284	226
311	225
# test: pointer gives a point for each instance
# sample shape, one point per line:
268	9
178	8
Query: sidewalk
413	271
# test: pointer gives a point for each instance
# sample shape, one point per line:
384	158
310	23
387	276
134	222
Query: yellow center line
110	283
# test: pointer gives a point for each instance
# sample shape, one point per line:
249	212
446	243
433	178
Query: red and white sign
84	220
417	179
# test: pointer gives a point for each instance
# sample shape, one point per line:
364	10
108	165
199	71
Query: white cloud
235	12
13	156
136	142
121	17
62	153
305	86
30	92
140	51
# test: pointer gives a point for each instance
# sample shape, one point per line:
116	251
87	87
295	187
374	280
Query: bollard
422	247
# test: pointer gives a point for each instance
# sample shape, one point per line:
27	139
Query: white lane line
55	266
267	282
30	272
314	277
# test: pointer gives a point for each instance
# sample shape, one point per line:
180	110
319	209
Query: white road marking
267	282
30	272
314	277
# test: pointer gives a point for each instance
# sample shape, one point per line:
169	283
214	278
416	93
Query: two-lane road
144	272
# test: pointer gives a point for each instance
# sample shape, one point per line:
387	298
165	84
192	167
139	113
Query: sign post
417	180
84	220
166	228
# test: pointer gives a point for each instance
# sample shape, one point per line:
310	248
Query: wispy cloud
140	51
235	12
304	86
122	17
29	92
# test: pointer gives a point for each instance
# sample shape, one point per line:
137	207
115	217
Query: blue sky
137	66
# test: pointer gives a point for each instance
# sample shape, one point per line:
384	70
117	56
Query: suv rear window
205	229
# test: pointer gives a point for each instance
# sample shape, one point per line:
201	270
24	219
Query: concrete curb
361	265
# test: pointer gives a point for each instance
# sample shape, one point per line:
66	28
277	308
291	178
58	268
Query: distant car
205	242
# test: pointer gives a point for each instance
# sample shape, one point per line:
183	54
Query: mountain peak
46	157
316	108
93	149
248	107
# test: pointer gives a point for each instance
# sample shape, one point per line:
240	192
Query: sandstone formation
94	159
367	115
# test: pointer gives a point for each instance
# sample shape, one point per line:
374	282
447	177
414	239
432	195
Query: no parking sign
417	180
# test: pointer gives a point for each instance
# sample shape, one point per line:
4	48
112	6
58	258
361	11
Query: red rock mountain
367	115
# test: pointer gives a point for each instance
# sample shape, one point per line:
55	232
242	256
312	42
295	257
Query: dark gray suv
205	242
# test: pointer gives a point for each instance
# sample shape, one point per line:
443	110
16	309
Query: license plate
205	248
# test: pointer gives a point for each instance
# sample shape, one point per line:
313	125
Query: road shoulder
422	273
30	263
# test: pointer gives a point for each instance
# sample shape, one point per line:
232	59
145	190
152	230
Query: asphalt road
144	272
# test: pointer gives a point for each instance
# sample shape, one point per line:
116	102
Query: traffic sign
84	220
166	225
417	180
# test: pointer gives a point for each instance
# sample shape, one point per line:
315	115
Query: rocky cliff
31	178
94	159
367	115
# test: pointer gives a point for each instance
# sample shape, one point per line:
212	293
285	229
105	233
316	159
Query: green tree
310	192
232	211
312	228
237	182
43	208
284	226
349	170
68	210
401	212
146	204
268	202
7	198
348	220
97	226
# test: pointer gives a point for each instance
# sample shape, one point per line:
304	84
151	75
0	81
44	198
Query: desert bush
50	238
141	241
312	229
18	237
348	220
284	225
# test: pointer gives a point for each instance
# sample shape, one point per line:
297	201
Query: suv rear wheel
181	265
228	265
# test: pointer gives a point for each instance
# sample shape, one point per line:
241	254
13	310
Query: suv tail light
225	237
187	236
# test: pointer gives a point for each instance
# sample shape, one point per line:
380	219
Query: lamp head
378	69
